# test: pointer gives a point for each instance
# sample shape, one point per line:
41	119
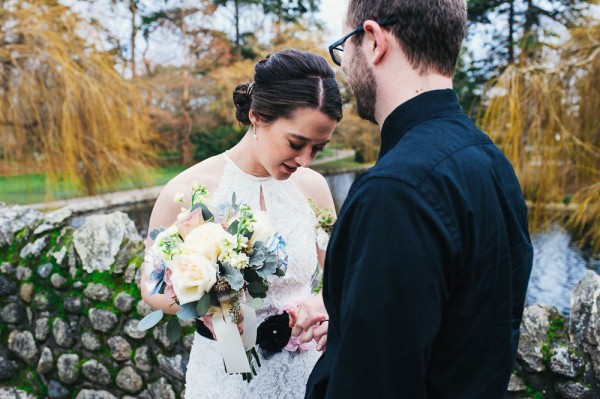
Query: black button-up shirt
428	265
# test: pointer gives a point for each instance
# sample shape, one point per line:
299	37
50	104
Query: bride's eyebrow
305	139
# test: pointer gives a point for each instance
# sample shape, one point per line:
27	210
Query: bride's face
287	144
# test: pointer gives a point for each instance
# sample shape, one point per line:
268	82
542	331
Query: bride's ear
253	117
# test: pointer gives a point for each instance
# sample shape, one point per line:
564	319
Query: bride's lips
288	169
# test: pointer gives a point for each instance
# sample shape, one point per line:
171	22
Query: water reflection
340	185
558	264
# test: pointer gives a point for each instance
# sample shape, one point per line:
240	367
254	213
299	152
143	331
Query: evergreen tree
513	30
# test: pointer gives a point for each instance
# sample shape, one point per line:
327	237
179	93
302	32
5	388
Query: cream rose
263	228
192	276
205	240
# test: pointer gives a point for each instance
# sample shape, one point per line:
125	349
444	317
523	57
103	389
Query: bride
292	108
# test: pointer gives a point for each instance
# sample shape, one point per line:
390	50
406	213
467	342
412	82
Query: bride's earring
255	135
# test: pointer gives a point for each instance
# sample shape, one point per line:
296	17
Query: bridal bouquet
207	262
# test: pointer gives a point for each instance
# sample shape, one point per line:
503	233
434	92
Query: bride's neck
243	154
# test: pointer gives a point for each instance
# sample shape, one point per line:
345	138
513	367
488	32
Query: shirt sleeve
391	284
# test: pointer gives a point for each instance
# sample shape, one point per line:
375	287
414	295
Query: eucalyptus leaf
257	257
255	303
257	287
206	214
251	275
214	298
155	232
173	329
270	266
150	320
203	305
233	276
233	228
233	199
279	272
188	311
257	294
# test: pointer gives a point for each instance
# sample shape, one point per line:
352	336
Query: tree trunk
133	9
511	33
237	25
186	148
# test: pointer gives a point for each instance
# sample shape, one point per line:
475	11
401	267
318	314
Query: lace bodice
283	375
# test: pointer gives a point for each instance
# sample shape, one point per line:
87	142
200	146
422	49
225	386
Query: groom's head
424	36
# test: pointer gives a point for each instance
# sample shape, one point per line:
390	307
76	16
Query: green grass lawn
344	163
31	188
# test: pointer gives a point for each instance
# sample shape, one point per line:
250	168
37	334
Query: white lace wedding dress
284	375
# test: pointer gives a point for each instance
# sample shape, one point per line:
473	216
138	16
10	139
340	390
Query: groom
428	265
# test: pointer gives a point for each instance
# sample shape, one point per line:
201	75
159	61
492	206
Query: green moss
29	381
190	330
556	330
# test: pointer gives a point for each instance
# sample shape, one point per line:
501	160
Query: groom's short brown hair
430	32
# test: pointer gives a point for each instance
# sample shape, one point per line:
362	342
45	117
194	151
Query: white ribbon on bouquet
232	346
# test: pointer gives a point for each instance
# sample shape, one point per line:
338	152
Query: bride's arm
164	213
310	320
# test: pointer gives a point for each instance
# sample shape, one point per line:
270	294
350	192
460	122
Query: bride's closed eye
317	150
298	147
295	147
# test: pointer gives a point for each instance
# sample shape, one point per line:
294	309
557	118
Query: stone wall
558	357
70	306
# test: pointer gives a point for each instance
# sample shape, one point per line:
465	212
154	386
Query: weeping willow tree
62	104
546	119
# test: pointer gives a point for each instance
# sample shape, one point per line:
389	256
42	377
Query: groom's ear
376	42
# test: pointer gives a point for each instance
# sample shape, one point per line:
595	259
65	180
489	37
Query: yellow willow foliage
63	104
546	119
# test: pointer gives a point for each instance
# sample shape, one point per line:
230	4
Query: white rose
206	239
263	228
192	277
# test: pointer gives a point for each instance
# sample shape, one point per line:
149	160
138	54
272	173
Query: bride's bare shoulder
313	185
207	172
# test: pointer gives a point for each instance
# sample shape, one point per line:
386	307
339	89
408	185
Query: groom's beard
362	81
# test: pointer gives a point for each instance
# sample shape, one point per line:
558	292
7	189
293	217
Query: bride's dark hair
286	81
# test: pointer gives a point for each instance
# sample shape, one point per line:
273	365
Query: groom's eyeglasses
336	50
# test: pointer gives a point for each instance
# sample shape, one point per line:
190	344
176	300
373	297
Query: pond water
558	263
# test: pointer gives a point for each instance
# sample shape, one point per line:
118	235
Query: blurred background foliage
91	110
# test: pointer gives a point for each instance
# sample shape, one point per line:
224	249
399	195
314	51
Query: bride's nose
303	158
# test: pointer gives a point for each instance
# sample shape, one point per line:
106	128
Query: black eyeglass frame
338	44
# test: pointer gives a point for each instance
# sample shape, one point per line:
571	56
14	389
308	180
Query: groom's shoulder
432	149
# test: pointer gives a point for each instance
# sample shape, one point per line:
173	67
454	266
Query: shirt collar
428	105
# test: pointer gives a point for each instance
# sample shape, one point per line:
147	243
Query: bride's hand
310	319
207	320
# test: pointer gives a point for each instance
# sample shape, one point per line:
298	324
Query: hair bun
243	101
